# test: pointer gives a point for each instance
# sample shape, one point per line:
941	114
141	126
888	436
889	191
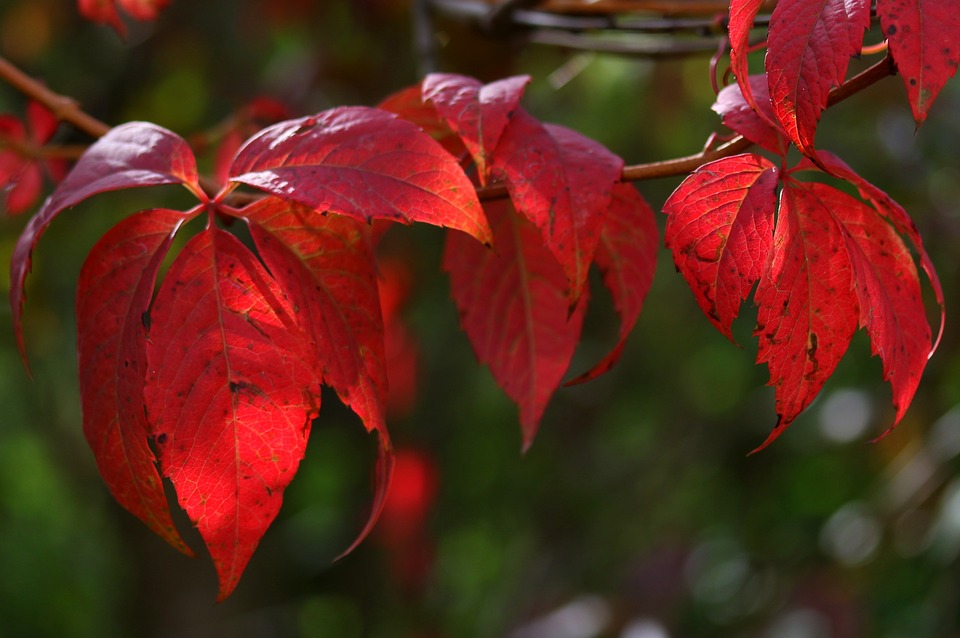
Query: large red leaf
230	394
478	113
720	229
899	217
515	311
924	39
365	163
627	258
562	182
757	123
128	156
810	43
808	308
888	288
325	265
114	292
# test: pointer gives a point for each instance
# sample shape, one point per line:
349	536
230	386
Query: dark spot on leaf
162	438
891	30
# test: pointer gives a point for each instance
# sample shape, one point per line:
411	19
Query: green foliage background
636	514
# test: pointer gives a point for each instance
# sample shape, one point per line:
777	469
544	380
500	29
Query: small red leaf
888	287
102	12
230	395
924	39
720	229
562	182
810	44
324	264
756	123
627	257
115	288
128	156
515	311
478	113
742	15
365	163
808	309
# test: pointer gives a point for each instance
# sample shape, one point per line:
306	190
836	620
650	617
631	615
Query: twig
684	165
63	108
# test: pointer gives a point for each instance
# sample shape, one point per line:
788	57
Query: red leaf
807	305
131	155
759	126
105	11
720	229
515	311
627	257
408	103
742	15
324	264
923	37
900	219
810	44
478	113
230	395
365	163
562	182
114	292
144	9
888	287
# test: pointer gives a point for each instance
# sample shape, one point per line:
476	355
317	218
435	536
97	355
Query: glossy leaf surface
365	163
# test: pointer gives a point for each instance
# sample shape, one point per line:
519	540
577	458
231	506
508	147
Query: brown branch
64	108
684	165
67	110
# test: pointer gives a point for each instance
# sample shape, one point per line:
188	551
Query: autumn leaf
113	295
924	39
810	43
105	11
21	175
808	309
325	265
365	163
756	123
408	103
627	258
514	308
230	394
478	113
562	182
895	213
888	288
720	230
128	156
743	13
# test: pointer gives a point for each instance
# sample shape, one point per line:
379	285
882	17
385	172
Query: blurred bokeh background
636	514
